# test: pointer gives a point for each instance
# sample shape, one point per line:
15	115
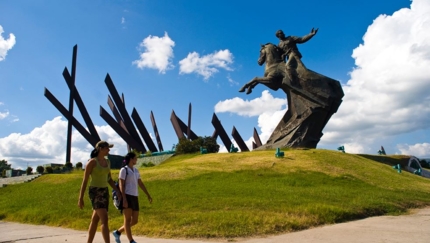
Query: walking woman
129	180
98	167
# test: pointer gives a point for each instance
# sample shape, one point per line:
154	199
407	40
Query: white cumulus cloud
156	53
387	95
420	150
206	65
3	115
5	44
269	110
255	107
389	90
47	144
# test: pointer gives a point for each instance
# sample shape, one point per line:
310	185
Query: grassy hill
235	195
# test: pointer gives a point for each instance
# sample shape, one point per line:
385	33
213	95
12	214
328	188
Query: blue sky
164	55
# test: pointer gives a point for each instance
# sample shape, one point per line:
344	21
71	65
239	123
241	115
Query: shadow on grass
402	160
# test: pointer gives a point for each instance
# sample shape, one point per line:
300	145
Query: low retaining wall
156	160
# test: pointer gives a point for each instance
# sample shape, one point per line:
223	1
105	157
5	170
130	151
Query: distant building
52	165
13	173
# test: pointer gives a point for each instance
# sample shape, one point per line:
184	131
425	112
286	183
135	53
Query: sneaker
116	234
133	241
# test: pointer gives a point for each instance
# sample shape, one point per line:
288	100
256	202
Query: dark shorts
99	197
133	202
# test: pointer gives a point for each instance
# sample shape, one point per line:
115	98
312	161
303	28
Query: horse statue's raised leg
249	86
268	81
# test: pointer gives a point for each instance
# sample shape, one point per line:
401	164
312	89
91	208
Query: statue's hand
314	31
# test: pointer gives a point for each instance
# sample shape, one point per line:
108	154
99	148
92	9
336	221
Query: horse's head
262	57
269	53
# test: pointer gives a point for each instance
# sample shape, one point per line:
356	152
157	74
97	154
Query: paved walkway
412	228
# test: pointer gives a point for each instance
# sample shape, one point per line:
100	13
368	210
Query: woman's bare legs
93	227
130	219
99	215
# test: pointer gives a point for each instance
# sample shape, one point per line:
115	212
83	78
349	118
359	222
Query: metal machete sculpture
312	98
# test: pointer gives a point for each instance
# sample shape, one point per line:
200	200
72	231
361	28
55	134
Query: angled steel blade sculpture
180	128
143	132
126	118
116	113
81	129
92	137
239	140
189	121
157	135
120	131
221	132
71	83
80	105
256	139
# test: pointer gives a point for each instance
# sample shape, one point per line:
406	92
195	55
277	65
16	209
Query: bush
69	165
210	144
57	169
49	170
186	146
138	153
79	165
147	154
40	169
29	170
149	164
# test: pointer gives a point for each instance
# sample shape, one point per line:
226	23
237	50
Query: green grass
235	195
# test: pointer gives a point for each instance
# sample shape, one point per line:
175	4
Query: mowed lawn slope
234	195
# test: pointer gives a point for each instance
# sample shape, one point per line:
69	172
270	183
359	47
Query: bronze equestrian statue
312	98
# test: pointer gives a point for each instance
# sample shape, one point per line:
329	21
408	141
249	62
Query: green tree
40	169
69	165
4	166
210	144
29	170
186	146
79	165
424	164
49	170
138	153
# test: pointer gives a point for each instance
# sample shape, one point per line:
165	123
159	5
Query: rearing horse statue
312	99
274	70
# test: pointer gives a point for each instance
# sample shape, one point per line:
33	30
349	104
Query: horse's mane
275	46
269	43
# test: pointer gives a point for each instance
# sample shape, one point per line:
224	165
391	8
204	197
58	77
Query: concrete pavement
412	228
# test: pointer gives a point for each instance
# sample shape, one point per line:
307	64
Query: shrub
79	165
149	164
57	169
186	146
147	154
138	153
210	144
49	170
69	165
29	170
40	169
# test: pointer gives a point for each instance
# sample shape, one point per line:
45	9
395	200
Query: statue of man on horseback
289	47
312	97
